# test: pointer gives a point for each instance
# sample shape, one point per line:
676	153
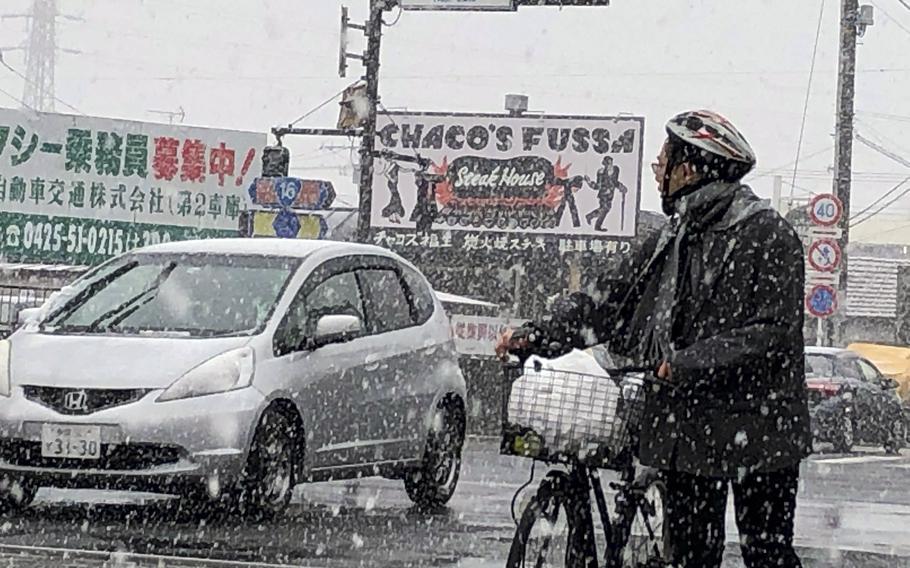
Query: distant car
851	401
232	370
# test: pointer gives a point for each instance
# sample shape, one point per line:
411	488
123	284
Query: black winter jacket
733	336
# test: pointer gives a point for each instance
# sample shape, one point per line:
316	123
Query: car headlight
5	383
228	371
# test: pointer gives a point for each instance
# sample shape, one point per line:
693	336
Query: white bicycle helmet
708	141
713	133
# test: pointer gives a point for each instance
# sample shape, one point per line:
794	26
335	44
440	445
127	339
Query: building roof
872	286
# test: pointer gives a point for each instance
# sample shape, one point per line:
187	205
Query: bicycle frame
575	484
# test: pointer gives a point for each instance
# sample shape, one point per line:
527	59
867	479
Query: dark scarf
712	207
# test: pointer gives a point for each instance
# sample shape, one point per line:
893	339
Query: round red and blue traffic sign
822	301
824	255
826	210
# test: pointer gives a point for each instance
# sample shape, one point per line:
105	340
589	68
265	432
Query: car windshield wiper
80	298
127	308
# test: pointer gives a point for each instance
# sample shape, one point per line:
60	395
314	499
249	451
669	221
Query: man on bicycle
716	307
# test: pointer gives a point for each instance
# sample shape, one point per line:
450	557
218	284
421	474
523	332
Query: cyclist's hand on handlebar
665	372
507	344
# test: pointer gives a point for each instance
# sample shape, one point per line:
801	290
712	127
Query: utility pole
843	147
368	142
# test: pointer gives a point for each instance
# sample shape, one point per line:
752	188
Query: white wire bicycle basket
571	417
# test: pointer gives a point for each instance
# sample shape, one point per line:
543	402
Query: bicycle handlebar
512	369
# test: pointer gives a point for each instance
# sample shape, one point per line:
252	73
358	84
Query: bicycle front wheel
549	533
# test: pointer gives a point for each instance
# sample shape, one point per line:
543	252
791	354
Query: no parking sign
822	301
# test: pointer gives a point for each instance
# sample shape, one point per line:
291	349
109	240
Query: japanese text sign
478	335
63	175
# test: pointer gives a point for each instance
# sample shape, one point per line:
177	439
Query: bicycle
557	526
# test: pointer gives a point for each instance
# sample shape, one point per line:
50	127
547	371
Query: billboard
518	177
78	189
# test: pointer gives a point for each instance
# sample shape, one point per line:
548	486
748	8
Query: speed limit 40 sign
826	210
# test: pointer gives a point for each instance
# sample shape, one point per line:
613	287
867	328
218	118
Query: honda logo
76	400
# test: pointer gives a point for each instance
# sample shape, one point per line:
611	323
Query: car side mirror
336	328
888	383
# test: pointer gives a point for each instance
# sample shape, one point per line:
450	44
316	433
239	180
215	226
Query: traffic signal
275	161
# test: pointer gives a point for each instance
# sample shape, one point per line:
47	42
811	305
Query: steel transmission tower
40	56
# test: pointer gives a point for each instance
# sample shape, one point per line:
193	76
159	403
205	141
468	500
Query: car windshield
195	295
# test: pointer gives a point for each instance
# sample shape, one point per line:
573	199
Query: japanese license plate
71	441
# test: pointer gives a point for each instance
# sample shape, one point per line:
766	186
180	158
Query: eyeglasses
654	167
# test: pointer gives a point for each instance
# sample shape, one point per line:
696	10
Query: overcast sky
241	65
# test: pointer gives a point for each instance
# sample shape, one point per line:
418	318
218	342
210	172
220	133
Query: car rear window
819	366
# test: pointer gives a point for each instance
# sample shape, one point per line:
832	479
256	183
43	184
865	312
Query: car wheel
844	437
16	494
434	482
269	475
897	436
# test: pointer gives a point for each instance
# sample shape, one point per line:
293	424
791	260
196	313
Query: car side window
870	373
387	306
419	293
847	368
338	294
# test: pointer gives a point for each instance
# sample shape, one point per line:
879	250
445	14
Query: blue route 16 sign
822	301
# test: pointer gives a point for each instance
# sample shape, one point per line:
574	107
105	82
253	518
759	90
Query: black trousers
765	506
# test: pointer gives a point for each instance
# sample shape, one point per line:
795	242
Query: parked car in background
851	401
892	360
232	370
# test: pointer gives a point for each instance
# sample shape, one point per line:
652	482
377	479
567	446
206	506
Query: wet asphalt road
854	511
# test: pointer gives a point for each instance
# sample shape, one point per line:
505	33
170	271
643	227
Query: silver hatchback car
232	370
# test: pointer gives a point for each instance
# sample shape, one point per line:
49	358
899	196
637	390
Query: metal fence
15	298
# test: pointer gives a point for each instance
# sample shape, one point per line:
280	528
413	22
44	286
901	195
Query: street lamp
516	105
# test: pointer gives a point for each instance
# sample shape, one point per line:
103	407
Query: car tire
845	436
434	482
16	494
269	476
896	436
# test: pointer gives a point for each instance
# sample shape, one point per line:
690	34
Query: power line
771	171
882	138
29	81
798	187
886	116
881	150
885	206
904	4
802	127
449	77
892	18
15	98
